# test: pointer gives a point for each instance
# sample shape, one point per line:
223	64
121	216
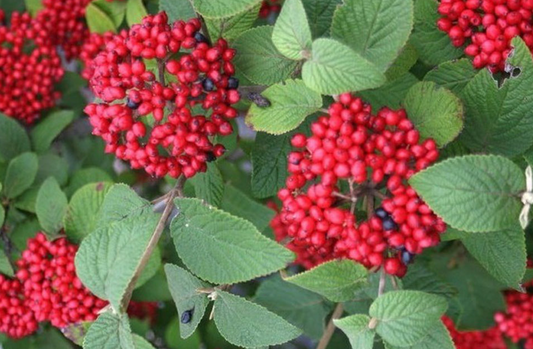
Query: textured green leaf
292	35
453	75
85	176
209	185
337	280
304	309
49	128
109	332
435	111
108	257
377	29
500	119
51	207
14	140
135	11
249	325
437	338
501	253
122	202
231	28
334	68
403	63
223	8
320	15
5	265
20	174
84	210
356	328
421	278
184	289
98	20
405	317
475	193
391	94
433	45
238	204
177	9
237	251
258	58
291	102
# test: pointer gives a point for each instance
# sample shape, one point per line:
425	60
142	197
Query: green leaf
76	332
258	58
108	257
320	15
238	204
223	8
177	9
184	289
475	193
14	140
116	10
209	185
337	280
135	11
356	328
141	343
292	35
84	210
500	118
406	317
49	128
122	202
97	20
437	338
174	341
420	278
109	332
335	68
291	102
5	265
304	309
20	174
391	94
501	253
453	75
435	111
403	63
377	29
433	46
85	176
154	290
51	207
237	251
33	6
231	28
249	325
51	165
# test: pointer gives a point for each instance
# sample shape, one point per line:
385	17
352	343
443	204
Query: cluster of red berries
269	7
165	121
95	43
488	339
29	68
370	157
144	311
487	26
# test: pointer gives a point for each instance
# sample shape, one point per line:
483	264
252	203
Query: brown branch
328	333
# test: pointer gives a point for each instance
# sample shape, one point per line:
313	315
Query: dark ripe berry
186	317
381	213
233	83
407	257
199	37
389	224
210	156
132	105
259	100
208	84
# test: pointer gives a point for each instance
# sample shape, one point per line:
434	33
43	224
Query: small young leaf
209	185
97	20
475	193
184	289
221	248
258	58
337	280
109	332
177	9
223	8
356	328
405	317
377	29
231	28
453	75
135	11
20	174
320	15
249	325
292	35
435	111
49	128
51	207
14	140
334	68
291	102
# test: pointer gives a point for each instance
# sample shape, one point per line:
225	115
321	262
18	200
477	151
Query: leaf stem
177	191
328	333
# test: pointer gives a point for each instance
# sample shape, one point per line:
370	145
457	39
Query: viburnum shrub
303	174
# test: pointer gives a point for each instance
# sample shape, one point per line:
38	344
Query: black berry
381	213
132	105
233	83
199	37
389	224
407	257
210	156
208	84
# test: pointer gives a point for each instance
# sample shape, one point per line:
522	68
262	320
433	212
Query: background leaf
20	174
292	35
356	328
49	128
51	207
223	8
177	9
135	11
14	140
209	185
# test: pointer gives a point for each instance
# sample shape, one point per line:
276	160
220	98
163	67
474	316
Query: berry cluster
269	7
29	68
143	311
369	157
95	43
161	111
488	339
487	26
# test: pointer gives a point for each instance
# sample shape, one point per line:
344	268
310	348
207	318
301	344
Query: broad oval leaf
135	11
49	128
97	20
20	174
356	328
222	248
14	140
223	8
292	35
51	207
334	68
474	193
